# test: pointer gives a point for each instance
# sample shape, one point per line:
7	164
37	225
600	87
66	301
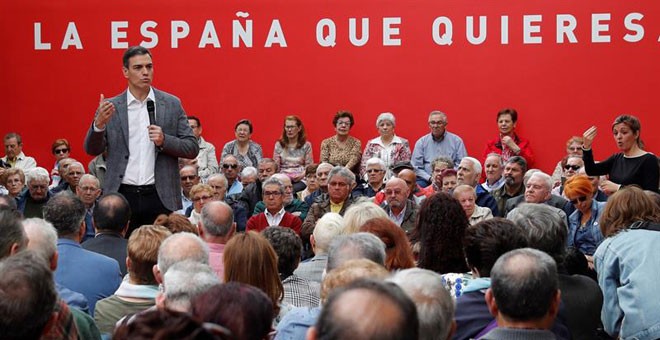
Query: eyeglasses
59	151
574	167
272	193
203	198
290	127
227	166
188	178
338	184
88	189
374	170
343	122
437	122
38	187
579	199
217	187
393	192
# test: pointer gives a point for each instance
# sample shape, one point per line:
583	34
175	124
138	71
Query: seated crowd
385	242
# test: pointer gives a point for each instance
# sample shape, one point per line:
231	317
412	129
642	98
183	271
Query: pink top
215	259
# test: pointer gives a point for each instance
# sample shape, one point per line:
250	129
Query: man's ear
311	333
15	248
200	230
82	231
490	301
157	274
554	305
53	261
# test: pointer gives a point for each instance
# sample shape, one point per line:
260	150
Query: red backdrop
559	88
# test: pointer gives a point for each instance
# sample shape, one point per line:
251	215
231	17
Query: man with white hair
494	168
538	190
375	173
88	190
291	204
32	201
248	175
435	307
327	228
322	172
71	176
177	248
469	171
183	282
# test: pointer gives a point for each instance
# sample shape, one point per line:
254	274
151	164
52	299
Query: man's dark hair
66	212
195	119
387	313
27	296
524	282
288	248
8	202
133	51
11	231
11	135
112	212
518	160
487	240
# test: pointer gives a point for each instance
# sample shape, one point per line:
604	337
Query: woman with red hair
398	254
583	224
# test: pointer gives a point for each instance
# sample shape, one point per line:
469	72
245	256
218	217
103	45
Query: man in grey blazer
142	161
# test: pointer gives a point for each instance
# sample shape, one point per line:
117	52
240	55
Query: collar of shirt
336	208
398	219
130	98
395	140
278	214
439	139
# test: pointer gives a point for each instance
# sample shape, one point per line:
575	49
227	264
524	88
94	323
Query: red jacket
495	146
259	222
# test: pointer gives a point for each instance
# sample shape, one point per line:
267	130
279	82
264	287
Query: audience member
216	227
448	180
399	208
342	149
274	214
200	194
176	223
251	195
231	169
358	214
32	201
97	167
180	247
189	178
94	275
327	228
397	249
184	281
219	184
71	175
439	142
439	165
322	172
417	193
60	149
12	236
508	143
14	155
570	167
243	148
469	171
355	246
168	324
311	182
88	190
514	170
374	173
13	179
292	205
206	161
293	151
538	191
388	147
248	175
573	148
466	196
494	168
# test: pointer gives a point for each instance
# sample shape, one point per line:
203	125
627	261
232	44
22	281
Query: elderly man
32	201
219	184
469	171
231	168
249	175
416	193
494	165
514	171
399	208
439	142
291	204
327	228
251	194
435	307
385	308
71	175
538	190
88	190
206	160
139	291
180	247
189	177
14	156
524	296
111	217
274	213
355	246
216	228
322	172
375	171
340	183
183	282
94	275
582	299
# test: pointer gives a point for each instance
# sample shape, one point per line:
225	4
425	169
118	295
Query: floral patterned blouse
252	158
292	161
397	151
344	154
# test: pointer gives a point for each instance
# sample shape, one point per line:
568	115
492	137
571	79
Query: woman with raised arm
632	165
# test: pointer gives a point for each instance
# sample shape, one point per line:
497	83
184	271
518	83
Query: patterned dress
344	154
292	161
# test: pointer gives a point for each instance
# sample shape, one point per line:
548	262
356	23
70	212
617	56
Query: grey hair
355	246
270	161
74	164
212	224
327	228
544	226
494	154
528	175
547	180
376	161
11	232
323	165
249	171
273	181
436	112
185	280
435	307
190	167
475	164
359	213
219	175
385	116
181	247
37	173
343	172
66	212
42	237
443	159
524	283
91	178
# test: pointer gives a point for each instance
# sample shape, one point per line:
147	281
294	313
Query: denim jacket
592	225
627	266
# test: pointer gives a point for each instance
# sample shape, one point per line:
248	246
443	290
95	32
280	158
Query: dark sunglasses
188	178
227	166
579	199
61	150
574	167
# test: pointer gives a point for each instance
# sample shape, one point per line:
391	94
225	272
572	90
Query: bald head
409	177
180	247
217	221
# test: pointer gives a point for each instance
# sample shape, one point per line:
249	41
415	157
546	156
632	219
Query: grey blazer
179	142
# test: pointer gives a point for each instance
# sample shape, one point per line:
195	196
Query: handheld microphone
151	109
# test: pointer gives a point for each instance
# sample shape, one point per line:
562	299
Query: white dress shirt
274	220
142	152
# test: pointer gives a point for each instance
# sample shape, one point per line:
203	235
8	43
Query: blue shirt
427	149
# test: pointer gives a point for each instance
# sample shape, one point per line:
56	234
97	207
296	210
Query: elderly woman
439	165
60	149
466	196
342	149
583	228
508	143
449	180
247	152
293	152
632	165
389	147
200	194
13	179
627	264
573	148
